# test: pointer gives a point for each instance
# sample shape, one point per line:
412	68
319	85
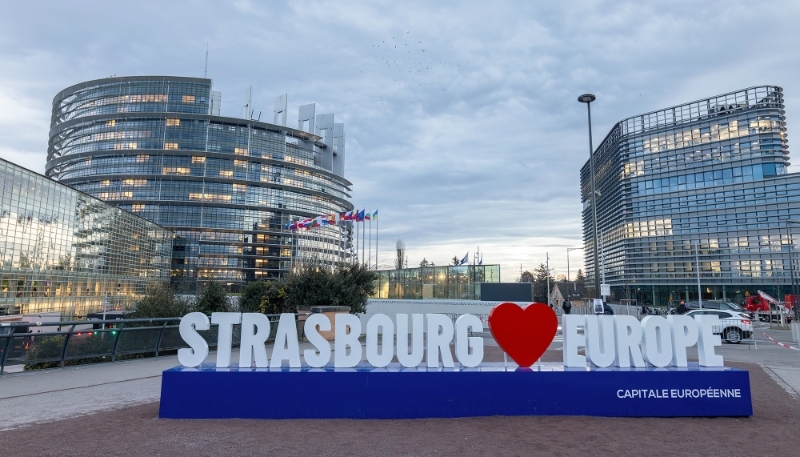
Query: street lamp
574	287
588	99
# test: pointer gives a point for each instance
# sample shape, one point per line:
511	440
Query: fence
47	345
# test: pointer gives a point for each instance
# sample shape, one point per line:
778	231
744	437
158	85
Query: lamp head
587	98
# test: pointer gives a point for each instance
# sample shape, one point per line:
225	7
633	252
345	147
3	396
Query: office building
62	250
227	186
447	282
701	187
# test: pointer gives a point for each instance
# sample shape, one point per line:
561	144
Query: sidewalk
49	395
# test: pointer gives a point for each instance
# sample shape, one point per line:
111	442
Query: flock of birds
405	61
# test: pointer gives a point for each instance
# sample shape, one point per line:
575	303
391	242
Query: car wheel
733	335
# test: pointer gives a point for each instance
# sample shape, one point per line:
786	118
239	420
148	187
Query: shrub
213	300
250	300
349	285
160	301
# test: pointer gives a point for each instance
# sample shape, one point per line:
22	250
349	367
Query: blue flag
464	260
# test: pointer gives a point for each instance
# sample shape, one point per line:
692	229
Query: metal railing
59	344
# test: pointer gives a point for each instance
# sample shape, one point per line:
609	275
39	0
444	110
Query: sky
461	117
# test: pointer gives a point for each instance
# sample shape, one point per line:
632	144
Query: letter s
197	351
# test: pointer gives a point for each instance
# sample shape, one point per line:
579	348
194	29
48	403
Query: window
198	159
170	145
240	163
105	183
136	208
187	99
226	173
173	122
175	171
240	151
119	146
111	123
142	158
239	187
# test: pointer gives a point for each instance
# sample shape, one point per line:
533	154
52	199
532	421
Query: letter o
376	323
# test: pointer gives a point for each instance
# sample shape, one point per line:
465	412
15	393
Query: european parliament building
706	180
226	186
62	250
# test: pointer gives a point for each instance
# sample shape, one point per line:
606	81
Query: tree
213	300
352	285
455	260
273	301
424	263
527	276
250	301
580	283
159	300
349	285
540	276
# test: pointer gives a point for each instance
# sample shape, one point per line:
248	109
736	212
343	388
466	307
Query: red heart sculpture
523	333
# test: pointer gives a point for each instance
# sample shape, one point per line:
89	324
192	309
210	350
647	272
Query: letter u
413	357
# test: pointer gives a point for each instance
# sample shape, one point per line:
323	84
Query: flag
464	260
360	216
375	215
368	216
331	219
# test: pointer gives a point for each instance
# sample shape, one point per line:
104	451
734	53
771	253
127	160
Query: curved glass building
156	146
698	191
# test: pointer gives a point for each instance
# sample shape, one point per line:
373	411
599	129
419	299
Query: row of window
709	178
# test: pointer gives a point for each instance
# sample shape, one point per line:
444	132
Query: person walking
566	306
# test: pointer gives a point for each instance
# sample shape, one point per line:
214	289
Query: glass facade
449	282
226	186
62	250
708	176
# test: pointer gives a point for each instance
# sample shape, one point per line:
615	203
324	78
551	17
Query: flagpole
369	255
377	232
363	239
358	238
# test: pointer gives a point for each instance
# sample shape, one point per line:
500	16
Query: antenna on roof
205	72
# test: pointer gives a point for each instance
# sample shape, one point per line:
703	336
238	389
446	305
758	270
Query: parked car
719	304
734	326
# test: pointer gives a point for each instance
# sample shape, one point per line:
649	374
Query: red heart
523	333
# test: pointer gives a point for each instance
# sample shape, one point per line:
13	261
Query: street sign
605	290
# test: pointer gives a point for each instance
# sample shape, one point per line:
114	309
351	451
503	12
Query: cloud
461	119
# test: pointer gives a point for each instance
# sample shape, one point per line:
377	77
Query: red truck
769	307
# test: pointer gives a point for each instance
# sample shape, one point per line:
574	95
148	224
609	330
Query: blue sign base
492	389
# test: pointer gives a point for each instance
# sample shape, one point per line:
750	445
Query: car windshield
734	306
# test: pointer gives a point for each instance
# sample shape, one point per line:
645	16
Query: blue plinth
394	392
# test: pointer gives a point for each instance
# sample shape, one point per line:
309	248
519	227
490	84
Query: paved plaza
42	396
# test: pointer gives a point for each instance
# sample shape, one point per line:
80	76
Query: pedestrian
607	310
566	306
682	308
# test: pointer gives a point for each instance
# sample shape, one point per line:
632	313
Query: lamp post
588	99
575	286
791	270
